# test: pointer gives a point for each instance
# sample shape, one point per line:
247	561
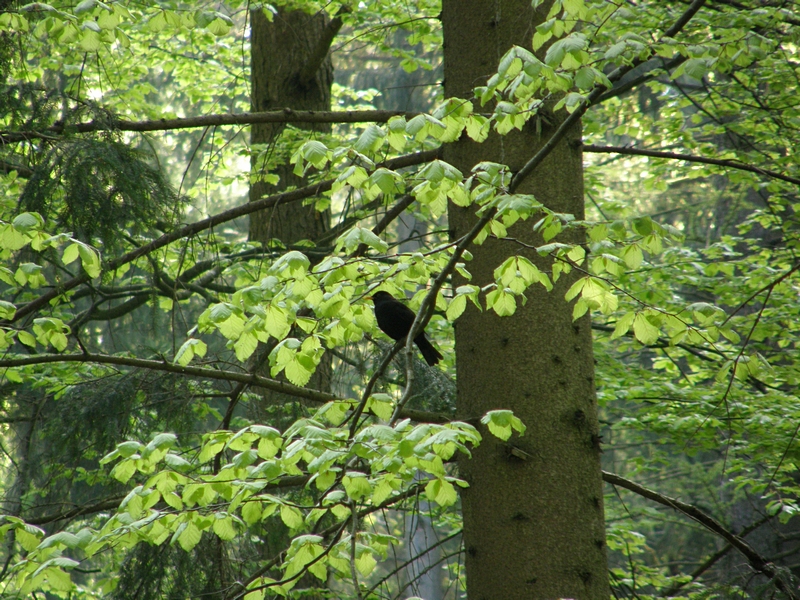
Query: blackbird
395	320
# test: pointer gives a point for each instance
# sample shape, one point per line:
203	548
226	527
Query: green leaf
219	26
27	339
27	540
644	330
70	253
501	423
90	260
276	322
245	346
291	517
316	153
381	405
188	350
503	303
297	372
623	325
370	140
356	485
189	537
456	307
123	471
632	255
224	527
442	492
251	512
26	222
478	128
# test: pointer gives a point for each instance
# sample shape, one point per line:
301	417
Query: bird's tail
429	353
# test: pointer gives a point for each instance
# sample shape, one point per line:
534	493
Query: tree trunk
533	520
291	68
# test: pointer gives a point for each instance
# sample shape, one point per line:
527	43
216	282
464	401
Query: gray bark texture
533	514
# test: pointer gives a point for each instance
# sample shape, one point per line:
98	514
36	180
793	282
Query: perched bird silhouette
395	320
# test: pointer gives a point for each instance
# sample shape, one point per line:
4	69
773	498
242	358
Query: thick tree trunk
533	520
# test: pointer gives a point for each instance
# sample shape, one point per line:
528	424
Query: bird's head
380	296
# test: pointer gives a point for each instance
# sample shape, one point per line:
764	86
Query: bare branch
204	373
731	164
757	562
413	559
713	559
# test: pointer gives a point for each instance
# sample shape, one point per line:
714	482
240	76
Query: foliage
128	391
98	188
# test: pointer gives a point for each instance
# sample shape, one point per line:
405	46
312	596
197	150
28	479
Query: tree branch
713	559
7	167
204	224
322	48
626	84
429	303
96	314
113	503
394	212
335	530
204	373
411	560
592	99
732	164
80	511
286	115
757	562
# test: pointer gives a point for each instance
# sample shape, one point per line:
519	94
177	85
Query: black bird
395	320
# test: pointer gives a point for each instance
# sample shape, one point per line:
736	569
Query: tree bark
533	514
291	68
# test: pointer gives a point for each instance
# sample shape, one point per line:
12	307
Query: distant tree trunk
291	68
533	520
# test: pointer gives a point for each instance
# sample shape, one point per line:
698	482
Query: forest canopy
589	206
